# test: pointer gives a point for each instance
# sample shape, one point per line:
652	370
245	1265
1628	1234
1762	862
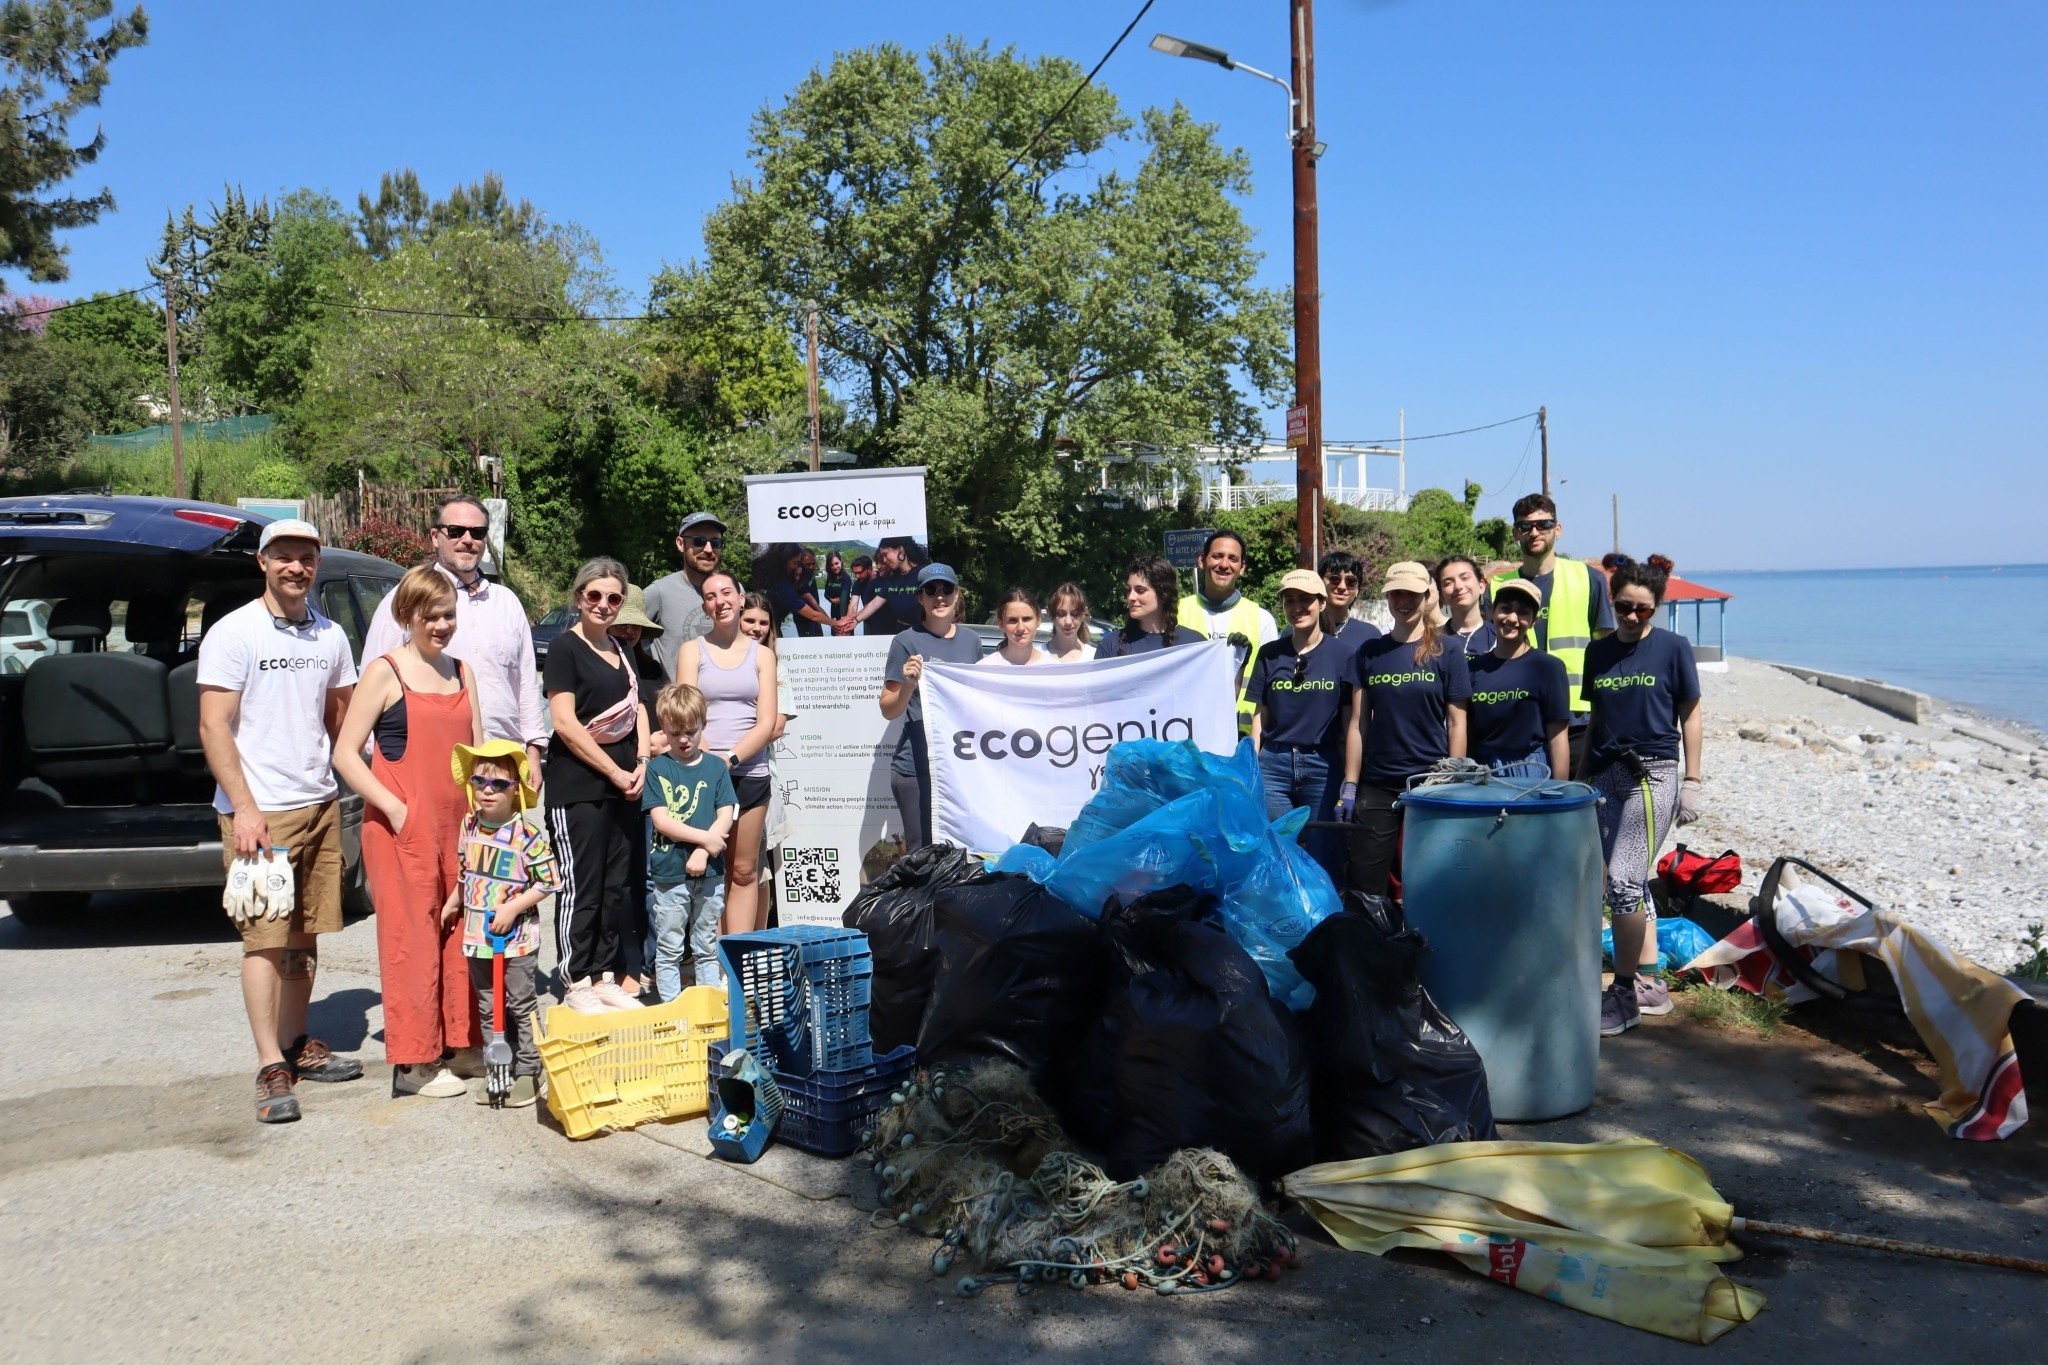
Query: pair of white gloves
261	887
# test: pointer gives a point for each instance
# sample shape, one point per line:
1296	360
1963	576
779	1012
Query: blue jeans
1303	777
686	915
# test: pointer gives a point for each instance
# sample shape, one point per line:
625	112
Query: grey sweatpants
519	1007
1635	819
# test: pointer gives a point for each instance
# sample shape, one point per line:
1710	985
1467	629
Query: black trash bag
1051	838
1390	1070
1020	976
895	912
1192	1051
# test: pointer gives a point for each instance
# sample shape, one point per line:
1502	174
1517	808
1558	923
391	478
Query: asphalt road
143	1212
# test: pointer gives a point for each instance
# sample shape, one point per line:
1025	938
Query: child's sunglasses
491	784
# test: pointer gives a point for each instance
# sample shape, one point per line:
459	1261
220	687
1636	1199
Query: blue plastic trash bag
1195	820
1679	941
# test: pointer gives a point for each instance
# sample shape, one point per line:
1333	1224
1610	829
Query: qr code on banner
810	876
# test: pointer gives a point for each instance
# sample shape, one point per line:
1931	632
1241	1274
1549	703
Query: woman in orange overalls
416	703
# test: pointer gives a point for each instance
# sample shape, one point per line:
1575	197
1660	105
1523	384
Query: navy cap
696	519
937	573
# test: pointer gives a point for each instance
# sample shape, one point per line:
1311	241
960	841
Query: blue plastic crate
825	1113
800	996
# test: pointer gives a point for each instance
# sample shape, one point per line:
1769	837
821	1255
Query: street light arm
1293	117
1216	56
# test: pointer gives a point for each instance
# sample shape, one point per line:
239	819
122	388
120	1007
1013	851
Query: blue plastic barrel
1504	877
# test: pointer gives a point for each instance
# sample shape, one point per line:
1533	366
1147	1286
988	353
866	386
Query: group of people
647	737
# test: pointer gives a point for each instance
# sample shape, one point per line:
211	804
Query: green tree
714	363
122	323
266	307
403	212
54	394
994	325
54	57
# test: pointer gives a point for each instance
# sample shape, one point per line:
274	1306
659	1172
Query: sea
1951	633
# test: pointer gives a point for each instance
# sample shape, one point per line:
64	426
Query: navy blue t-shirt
1514	704
1354	633
1478	642
1635	691
1115	645
1408	706
786	597
901	609
1308	713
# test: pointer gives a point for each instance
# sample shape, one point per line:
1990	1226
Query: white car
24	634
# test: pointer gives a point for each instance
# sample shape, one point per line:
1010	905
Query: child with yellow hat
507	867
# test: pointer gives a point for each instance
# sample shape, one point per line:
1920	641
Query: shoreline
1976	713
1946	829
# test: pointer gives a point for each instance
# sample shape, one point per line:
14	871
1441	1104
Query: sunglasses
455	532
592	597
937	590
701	542
1341	580
1537	524
1300	668
1641	613
491	784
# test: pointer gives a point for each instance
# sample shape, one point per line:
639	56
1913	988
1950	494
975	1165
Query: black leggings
594	909
1375	839
914	803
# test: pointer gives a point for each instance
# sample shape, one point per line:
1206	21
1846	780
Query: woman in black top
596	767
1151	611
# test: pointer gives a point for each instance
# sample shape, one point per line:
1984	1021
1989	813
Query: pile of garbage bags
1180	976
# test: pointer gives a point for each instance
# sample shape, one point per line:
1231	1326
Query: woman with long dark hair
1463	593
1151	607
1408	696
1644	688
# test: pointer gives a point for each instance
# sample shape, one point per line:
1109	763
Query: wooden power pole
1543	430
811	337
1308	300
171	358
1617	522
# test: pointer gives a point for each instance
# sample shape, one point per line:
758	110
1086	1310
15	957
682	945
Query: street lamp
1305	419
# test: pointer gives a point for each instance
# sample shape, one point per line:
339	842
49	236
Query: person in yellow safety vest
1576	610
1219	610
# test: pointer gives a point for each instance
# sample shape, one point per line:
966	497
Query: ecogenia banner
1015	746
828	548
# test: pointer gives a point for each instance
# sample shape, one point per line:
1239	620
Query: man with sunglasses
1576	610
675	602
492	634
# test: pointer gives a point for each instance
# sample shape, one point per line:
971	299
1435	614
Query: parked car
546	629
24	634
103	785
991	634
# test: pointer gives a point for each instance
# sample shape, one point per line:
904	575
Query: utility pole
1308	301
1617	522
811	335
171	356
1543	427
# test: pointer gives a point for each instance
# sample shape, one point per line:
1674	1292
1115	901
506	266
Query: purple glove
1347	797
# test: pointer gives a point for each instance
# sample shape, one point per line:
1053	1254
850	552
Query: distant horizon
1871	568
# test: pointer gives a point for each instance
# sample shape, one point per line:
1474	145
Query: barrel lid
1524	795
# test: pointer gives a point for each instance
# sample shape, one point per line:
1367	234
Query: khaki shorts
311	835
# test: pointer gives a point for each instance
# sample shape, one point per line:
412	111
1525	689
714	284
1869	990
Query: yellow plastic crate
617	1070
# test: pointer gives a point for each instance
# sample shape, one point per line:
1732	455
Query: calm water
1955	633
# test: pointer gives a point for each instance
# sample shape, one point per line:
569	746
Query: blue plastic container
1504	877
799	996
826	1112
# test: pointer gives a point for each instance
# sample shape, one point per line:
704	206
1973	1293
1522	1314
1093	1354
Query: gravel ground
1949	830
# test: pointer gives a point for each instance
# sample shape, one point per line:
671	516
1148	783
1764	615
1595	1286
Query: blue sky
1777	270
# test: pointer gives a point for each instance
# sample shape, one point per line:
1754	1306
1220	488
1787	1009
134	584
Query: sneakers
1618	1010
525	1090
1651	995
310	1060
430	1079
583	998
614	996
275	1102
466	1062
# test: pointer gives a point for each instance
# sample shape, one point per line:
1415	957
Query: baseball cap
1522	586
937	573
696	519
1304	580
290	528
1407	576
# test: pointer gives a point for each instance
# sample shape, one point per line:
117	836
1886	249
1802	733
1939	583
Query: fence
339	513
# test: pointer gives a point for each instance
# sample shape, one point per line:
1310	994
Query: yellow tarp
1629	1230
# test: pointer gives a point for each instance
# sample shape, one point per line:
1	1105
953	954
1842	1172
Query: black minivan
103	785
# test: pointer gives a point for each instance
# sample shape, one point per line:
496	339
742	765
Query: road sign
1183	548
1297	428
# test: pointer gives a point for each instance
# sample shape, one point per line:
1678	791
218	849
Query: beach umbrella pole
1888	1244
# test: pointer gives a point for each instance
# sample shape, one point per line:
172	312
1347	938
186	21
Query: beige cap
1522	586
289	529
1304	580
1407	576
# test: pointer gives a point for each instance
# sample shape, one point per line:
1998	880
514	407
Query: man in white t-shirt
274	679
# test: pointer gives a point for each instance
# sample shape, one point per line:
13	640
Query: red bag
1692	874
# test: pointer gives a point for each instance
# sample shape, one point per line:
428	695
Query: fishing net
973	1156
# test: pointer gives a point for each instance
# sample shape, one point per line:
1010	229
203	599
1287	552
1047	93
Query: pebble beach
1948	828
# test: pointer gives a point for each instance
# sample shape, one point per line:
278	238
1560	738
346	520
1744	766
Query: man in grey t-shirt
675	602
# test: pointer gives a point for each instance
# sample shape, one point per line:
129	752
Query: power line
1433	436
82	303
1072	95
